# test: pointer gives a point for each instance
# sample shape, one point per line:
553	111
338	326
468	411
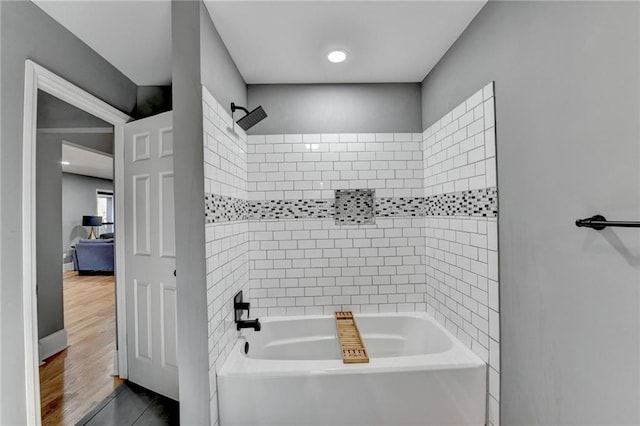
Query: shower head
251	118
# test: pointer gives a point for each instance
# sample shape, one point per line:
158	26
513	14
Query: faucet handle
238	306
242	306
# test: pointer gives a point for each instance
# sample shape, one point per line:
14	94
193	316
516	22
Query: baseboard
66	267
116	367
52	344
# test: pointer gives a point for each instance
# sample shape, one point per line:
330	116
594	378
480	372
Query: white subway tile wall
311	166
313	266
227	243
225	151
310	266
462	252
459	149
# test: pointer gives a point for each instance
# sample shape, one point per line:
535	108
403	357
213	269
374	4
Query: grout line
145	410
98	408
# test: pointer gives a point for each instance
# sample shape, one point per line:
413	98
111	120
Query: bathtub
293	375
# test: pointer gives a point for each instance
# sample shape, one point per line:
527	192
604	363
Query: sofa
94	256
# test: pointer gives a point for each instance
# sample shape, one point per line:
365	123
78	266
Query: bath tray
353	350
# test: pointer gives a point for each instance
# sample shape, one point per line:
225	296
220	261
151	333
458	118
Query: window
105	209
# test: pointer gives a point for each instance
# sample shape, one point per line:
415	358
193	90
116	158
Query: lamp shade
91	220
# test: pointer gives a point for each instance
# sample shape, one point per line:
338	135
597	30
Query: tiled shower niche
354	206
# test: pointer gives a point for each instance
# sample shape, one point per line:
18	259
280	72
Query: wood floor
75	380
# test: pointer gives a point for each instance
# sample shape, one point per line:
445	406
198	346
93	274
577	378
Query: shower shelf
599	222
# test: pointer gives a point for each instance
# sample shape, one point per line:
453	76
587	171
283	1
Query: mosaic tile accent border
291	209
399	206
354	206
475	203
219	208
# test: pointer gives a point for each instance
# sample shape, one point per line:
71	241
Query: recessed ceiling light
65	163
337	56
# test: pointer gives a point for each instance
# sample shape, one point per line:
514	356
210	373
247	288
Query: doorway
76	298
145	296
77	375
39	79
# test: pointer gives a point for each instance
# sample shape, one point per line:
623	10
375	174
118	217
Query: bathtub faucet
254	323
238	306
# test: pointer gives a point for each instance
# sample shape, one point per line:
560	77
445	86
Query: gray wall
218	71
199	58
189	199
567	136
101	142
153	100
2	364
337	108
78	199
49	234
27	32
54	112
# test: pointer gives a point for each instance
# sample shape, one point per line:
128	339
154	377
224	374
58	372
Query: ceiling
134	36
86	162
386	41
278	41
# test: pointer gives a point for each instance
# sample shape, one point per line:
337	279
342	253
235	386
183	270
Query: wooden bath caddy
353	350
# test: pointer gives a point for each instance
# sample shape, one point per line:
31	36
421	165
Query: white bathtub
293	375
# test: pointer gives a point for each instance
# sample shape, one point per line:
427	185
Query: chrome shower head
251	118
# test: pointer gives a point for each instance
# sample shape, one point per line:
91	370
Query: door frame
40	78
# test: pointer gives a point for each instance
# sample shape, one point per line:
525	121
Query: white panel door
150	255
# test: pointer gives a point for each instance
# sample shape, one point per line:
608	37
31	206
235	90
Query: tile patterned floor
131	404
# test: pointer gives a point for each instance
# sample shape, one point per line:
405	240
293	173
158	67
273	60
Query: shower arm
235	107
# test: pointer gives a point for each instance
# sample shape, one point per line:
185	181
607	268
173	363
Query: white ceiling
278	41
86	162
134	36
387	41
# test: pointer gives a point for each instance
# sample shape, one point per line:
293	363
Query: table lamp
92	221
